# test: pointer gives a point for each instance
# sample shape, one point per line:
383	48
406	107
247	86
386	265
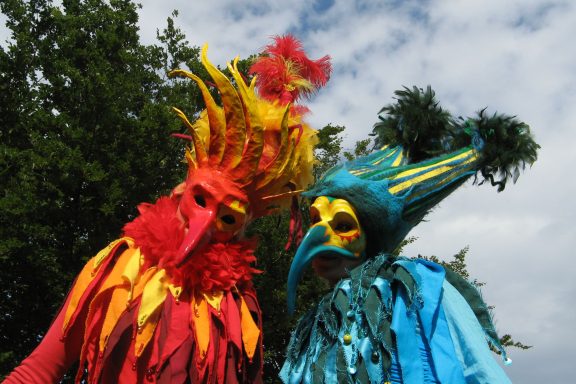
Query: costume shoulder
96	270
368	328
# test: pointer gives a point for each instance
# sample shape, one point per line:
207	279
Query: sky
511	57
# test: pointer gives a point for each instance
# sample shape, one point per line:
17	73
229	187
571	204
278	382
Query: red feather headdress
285	73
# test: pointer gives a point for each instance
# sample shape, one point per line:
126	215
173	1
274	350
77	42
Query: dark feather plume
418	123
508	146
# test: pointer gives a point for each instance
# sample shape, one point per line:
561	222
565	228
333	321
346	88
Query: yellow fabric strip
395	163
398	160
132	271
175	291
115	277
142	281
145	332
214	299
116	308
446	161
437	184
103	254
153	296
392	153
250	331
360	171
435	172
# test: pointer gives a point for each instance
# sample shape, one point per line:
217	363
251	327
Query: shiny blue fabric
435	338
434	325
470	340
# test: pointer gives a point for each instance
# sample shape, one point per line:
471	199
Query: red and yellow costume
172	301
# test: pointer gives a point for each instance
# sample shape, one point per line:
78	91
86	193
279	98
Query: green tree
361	148
85	117
328	149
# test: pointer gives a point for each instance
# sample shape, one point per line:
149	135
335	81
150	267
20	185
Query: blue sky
514	57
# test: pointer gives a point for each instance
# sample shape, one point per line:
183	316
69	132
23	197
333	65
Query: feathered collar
158	233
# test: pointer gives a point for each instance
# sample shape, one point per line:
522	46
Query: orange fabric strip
119	298
250	331
84	279
201	319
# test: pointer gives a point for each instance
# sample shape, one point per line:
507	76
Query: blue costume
393	319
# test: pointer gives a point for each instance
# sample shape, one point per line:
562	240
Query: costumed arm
62	344
53	357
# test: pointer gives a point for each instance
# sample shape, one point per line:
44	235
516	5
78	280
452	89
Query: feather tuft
417	123
285	73
507	147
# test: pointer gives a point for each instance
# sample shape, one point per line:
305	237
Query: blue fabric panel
298	371
426	358
383	287
434	325
395	373
404	327
470	341
410	266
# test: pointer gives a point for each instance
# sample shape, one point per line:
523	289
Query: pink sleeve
52	357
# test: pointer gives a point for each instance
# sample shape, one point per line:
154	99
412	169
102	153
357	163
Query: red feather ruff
220	266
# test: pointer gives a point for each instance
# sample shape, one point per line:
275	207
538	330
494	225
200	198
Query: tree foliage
85	117
361	148
328	148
